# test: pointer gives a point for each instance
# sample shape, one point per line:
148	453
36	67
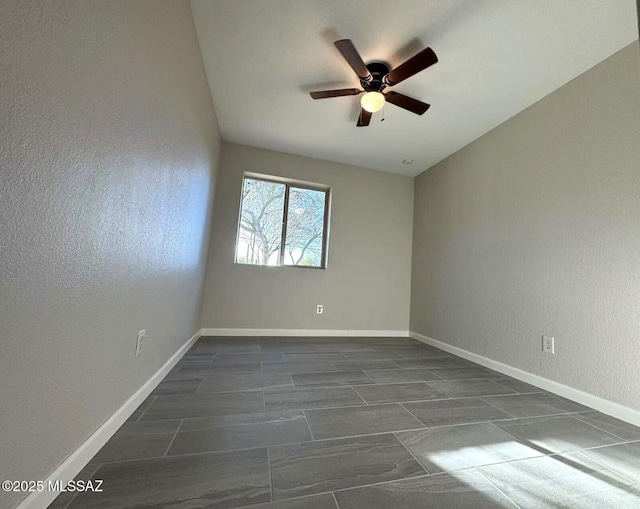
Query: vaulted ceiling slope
496	57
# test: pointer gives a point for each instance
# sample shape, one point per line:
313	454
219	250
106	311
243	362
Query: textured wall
367	281
108	148
535	229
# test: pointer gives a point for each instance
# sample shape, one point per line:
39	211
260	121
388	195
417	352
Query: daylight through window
282	223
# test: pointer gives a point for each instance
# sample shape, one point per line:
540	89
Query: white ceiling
496	58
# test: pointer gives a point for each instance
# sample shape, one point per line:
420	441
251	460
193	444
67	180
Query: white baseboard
79	458
584	398
306	333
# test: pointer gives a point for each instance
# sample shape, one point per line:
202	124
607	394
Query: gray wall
535	229
366	285
108	151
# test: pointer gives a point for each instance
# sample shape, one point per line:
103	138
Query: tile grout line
359	395
446	397
413	415
550	455
75	494
496	487
496	381
308	426
576	416
481	398
492	421
319	493
145	410
335	499
199	386
510	416
401	383
438	380
368	377
522	441
393	364
594	447
610	469
285	409
173	439
412	455
270	477
573	416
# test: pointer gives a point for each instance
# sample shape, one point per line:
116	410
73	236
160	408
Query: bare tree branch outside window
263	224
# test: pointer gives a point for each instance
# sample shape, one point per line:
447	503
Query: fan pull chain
382	119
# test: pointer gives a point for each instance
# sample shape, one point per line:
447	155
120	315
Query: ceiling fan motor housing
378	71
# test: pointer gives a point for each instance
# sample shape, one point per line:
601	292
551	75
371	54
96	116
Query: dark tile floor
350	423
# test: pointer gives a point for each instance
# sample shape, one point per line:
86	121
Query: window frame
288	183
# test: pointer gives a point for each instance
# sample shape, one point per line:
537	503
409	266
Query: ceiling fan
375	78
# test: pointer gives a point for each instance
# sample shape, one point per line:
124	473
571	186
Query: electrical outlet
319	309
548	344
141	336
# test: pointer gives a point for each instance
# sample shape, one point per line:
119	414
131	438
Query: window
282	223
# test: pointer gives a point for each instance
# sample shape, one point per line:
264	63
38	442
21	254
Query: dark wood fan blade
407	103
325	94
412	66
353	58
364	118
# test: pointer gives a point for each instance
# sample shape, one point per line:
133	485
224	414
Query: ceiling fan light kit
375	78
372	101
